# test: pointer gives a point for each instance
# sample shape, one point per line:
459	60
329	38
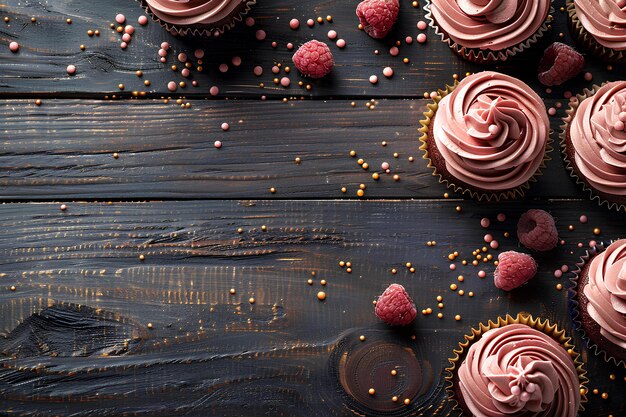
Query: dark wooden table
121	304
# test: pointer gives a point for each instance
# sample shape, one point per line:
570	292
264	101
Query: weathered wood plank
39	67
64	150
212	353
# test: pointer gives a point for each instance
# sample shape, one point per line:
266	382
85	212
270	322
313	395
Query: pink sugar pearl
421	25
258	70
275	69
385	166
332	34
583	219
294	24
501	217
260	35
120	18
558	273
171	86
488	238
123	45
394	51
129	29
408	40
485	222
126	37
310	22
452	267
388	72
165	46
373	79
162	53
588	76
14	47
223	68
71	69
217	144
285	82
551	111
185	72
236	61
182	57
482	274
494	244
225	126
198	53
142	20
214	90
341	43
421	38
250	21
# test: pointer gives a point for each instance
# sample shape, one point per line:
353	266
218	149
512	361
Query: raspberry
559	63
536	230
378	16
314	59
514	269
395	307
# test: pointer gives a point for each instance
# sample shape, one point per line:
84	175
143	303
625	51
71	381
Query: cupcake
486	136
197	17
517	367
488	31
599	301
593	141
600	27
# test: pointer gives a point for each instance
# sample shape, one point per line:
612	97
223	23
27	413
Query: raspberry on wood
314	59
395	307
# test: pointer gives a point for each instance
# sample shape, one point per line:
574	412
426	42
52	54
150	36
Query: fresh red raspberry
514	269
378	16
395	307
314	59
559	63
536	230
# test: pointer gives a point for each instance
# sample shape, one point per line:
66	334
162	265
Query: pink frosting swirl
605	20
516	370
599	139
492	131
490	24
192	12
606	292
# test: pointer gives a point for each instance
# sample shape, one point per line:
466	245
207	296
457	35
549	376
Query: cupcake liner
475	194
586	39
544	326
200	30
574	306
569	166
486	56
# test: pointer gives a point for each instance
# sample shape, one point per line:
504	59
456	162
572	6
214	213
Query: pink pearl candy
501	217
171	86
223	67
551	111
285	82
14	47
250	21
123	45
588	76
258	70
494	244
488	238
482	274
165	46
162	52
198	53
564	268
217	144
310	22
558	273
384	166
421	25
341	43
294	24
485	222
225	126
619	125
373	79
182	57
142	20
260	35
290	46
452	267
185	72
583	219
126	37
120	18
214	90
494	129
129	29
394	51
421	38
71	69
388	72
332	34
408	40
236	61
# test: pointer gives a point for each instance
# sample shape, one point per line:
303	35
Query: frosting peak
606	292
492	131
490	24
605	20
193	12
598	136
516	370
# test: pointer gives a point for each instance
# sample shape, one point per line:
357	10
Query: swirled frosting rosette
197	17
489	30
517	367
594	142
487	135
600	26
600	300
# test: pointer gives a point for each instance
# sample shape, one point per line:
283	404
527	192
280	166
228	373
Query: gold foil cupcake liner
208	31
543	326
569	166
486	56
574	306
476	195
586	39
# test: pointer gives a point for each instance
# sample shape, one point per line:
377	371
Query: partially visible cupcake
593	141
599	301
517	367
486	136
600	27
488	31
197	17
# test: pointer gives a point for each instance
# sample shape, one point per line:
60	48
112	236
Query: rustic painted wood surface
75	338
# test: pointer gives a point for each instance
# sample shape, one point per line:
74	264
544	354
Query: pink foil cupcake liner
199	30
573	106
486	56
517	192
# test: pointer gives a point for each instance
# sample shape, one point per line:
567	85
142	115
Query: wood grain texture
64	150
39	67
210	352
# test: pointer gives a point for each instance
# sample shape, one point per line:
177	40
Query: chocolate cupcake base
584	322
